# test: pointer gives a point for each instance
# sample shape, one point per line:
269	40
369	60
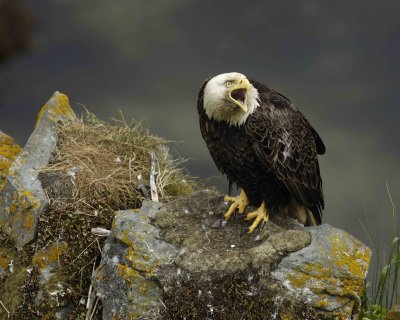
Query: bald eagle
265	146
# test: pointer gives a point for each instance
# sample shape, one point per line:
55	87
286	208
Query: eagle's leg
240	202
261	214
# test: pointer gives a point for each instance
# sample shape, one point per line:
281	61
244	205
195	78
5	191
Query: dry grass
103	161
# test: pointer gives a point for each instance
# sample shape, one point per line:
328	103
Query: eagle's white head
230	97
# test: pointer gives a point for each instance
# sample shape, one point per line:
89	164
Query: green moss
12	291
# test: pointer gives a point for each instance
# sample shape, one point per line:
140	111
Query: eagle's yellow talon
230	211
229	198
261	214
252	215
240	202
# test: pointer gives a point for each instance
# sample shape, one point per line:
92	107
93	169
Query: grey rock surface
329	273
23	198
130	256
181	261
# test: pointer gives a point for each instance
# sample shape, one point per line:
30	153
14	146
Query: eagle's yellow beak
238	93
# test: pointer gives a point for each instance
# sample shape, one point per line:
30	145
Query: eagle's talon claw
260	215
240	202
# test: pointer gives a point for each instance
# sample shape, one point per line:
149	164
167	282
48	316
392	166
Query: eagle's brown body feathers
272	155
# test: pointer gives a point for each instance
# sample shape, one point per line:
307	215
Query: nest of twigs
103	161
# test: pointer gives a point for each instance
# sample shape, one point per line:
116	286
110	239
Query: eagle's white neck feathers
217	104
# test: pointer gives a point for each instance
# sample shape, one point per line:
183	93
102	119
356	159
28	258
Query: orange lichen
350	259
131	256
139	262
15	218
8	151
127	272
49	255
147	268
323	279
56	106
32	200
322	304
27	193
13	207
29	220
143	287
298	279
21	209
3	263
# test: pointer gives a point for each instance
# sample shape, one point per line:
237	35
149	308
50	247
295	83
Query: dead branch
153	177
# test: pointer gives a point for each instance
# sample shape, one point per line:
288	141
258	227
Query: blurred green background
338	61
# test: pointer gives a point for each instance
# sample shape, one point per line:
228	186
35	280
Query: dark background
337	60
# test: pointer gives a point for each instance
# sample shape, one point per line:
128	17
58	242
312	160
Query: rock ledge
180	261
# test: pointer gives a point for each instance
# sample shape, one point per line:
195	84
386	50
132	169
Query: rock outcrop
22	201
23	198
173	260
181	261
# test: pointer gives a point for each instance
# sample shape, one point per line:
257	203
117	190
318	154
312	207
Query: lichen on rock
131	255
213	272
175	260
56	109
23	198
8	151
330	273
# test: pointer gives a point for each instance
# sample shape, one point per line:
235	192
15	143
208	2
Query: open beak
238	93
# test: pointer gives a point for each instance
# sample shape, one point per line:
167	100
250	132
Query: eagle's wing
285	143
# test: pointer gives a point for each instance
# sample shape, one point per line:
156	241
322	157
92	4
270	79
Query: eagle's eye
228	84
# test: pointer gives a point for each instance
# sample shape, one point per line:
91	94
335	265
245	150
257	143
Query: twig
98	246
105	178
165	307
91	298
84	250
8	312
142	187
153	177
101	232
94	308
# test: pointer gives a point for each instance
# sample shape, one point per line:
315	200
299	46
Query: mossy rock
202	268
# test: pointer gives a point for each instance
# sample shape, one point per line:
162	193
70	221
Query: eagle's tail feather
308	216
314	215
